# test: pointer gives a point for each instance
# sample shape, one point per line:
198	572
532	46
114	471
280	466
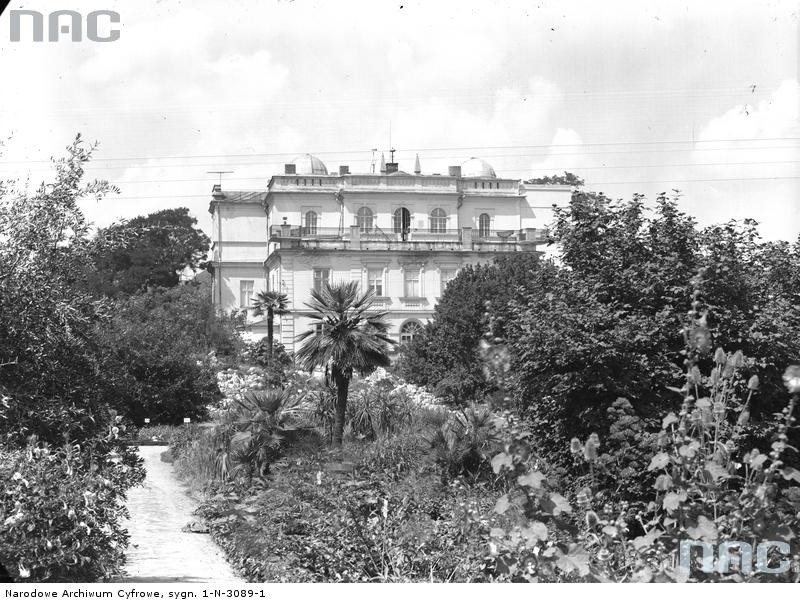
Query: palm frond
346	332
270	302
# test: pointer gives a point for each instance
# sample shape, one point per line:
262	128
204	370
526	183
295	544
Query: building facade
402	235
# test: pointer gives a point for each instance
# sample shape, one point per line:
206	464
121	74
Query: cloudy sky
632	96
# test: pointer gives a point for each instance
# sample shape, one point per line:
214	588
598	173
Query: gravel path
159	551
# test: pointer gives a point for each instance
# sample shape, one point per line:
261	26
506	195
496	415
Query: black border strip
3	5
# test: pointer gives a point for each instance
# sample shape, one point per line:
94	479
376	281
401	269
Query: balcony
409	239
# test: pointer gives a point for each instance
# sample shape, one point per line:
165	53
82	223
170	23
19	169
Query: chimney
344	169
289	168
417	168
455	171
391	168
216	192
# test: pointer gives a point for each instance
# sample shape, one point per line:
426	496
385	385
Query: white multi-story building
402	235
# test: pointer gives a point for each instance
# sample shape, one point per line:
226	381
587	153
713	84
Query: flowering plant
61	508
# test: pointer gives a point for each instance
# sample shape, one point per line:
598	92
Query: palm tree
272	304
346	336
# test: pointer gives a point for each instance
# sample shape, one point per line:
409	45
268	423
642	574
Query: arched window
409	330
484	224
311	223
438	220
364	219
401	221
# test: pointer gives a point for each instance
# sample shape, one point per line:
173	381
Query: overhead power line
99	158
556	168
93	166
592	185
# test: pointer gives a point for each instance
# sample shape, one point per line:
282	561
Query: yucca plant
466	441
258	427
375	412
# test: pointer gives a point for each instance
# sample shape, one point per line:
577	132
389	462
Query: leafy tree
158	343
607	322
445	356
572	356
346	336
271	303
51	378
568	179
147	251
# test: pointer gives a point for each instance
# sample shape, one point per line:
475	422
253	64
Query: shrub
378	405
63	473
61	508
373	411
395	456
240	449
276	365
444	357
605	322
314	526
234	383
704	485
51	371
198	457
160	433
160	343
465	443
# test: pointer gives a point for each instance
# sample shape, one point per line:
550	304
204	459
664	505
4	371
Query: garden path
159	551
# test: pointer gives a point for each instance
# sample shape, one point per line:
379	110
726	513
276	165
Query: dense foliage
48	360
62	508
63	474
147	251
586	416
377	510
430	493
67	355
158	344
445	357
704	484
272	358
568	179
606	323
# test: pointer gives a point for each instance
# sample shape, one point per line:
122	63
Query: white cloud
246	81
566	149
764	130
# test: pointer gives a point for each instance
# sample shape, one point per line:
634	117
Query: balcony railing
423	235
367	237
320	232
368	233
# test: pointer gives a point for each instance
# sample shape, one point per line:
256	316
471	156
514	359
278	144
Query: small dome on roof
308	164
475	167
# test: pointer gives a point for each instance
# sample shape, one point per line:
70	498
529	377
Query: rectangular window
375	281
321	276
246	293
411	279
445	276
